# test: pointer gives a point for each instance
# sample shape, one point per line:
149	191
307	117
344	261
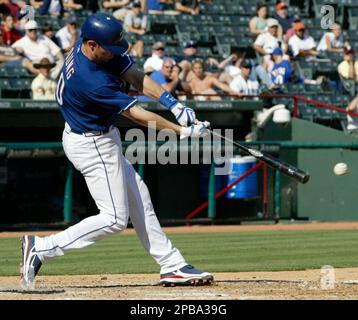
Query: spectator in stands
348	68
43	86
282	70
203	83
284	19
332	41
72	5
185	61
155	62
34	47
47	31
9	33
231	67
135	22
266	42
242	84
258	23
68	35
120	8
187	6
301	44
36	4
53	7
168	78
291	31
7	7
161	7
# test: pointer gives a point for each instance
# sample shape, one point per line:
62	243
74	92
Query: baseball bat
284	167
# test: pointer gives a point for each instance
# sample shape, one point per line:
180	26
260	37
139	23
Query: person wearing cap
302	45
282	70
136	23
242	83
120	8
91	98
68	35
203	83
282	16
155	62
187	6
348	68
34	47
43	86
258	23
333	41
266	42
185	61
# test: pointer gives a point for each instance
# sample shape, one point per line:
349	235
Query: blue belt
91	133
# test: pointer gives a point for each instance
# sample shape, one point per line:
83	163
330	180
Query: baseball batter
90	96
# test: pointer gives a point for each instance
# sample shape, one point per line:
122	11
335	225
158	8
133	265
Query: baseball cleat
187	275
30	264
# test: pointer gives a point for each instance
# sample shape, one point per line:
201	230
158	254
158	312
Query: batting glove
184	115
197	130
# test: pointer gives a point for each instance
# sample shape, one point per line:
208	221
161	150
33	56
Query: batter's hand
184	115
197	130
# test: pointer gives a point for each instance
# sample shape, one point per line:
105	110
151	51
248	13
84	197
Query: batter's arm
143	117
149	119
184	115
143	83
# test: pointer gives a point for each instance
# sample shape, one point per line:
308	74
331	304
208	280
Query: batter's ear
92	44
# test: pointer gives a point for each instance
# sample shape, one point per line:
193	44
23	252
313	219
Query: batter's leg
100	161
146	223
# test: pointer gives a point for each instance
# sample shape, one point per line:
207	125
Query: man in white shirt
266	42
301	44
68	35
242	84
43	86
155	62
34	47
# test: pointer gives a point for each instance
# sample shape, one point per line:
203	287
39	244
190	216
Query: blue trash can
246	188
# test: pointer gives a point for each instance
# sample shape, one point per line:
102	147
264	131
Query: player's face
101	55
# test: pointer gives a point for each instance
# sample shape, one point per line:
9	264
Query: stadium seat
314	88
308	113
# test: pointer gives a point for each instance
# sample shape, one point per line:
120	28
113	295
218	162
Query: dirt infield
227	286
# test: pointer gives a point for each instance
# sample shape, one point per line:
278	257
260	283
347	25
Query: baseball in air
340	169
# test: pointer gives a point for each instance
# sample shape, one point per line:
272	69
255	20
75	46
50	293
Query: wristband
167	100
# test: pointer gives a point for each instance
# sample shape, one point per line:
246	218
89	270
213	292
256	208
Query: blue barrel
246	188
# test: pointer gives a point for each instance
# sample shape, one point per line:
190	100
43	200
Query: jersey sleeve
121	64
111	96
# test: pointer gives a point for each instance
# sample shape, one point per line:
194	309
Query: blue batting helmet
107	31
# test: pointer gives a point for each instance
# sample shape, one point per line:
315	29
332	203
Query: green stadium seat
314	88
3	72
308	113
5	84
20	83
295	87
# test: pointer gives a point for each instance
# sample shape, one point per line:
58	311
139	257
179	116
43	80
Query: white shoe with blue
187	275
30	264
